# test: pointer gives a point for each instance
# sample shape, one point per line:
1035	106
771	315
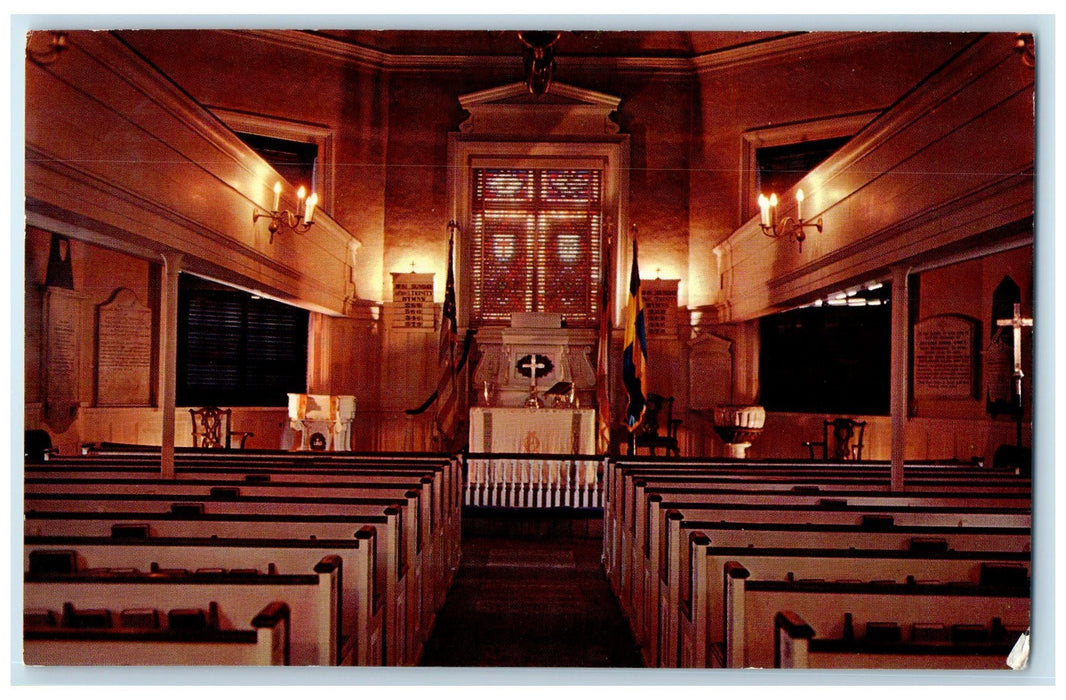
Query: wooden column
900	371
168	360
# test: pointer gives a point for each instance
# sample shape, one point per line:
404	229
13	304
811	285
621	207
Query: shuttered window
235	349
536	243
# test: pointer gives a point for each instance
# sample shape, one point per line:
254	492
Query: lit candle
277	196
799	204
764	211
301	195
312	202
773	209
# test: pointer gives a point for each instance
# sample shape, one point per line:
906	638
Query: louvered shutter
237	350
536	243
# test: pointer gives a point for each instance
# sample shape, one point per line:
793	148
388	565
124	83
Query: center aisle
531	592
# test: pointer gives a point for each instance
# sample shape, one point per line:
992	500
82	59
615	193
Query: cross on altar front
1017	323
533	365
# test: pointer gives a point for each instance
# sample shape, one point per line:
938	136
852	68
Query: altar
321	421
532	430
513	458
531	445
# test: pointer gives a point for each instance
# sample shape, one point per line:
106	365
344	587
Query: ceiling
590	43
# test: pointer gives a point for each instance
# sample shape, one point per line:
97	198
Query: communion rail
525	480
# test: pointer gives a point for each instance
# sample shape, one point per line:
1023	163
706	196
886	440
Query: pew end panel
797	647
265	642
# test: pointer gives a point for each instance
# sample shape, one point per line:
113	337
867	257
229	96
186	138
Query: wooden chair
211	428
38	446
842	440
659	427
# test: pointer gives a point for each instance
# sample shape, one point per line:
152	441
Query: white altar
512	463
532	430
323	422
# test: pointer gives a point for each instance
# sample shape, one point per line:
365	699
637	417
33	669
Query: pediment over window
564	110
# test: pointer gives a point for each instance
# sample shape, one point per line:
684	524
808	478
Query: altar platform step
531	592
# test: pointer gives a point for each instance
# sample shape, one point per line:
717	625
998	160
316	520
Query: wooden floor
531	592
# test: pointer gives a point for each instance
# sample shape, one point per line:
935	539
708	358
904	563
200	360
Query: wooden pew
752	607
362	610
628	504
430	540
372	542
409	591
974	508
620	476
619	489
313	600
438	535
930	646
215	466
689	637
969	504
973	501
644	558
693	535
263	643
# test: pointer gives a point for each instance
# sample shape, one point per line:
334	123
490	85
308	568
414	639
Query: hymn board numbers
412	300
660	306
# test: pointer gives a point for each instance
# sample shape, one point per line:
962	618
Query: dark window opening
236	349
778	168
827	359
294	160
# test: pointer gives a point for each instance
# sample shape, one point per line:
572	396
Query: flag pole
603	355
635	350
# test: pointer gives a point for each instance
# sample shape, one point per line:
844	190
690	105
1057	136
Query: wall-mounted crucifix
1017	323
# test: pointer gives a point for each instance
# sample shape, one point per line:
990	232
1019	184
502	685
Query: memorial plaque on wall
945	358
62	309
660	306
123	351
412	300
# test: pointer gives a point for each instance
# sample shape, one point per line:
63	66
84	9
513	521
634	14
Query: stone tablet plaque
412	296
61	357
660	306
124	351
944	357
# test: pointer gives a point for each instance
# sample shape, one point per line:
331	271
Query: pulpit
533	353
322	421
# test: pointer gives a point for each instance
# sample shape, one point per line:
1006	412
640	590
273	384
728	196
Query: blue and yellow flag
635	351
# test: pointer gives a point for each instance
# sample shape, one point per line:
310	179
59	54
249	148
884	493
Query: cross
1017	323
533	365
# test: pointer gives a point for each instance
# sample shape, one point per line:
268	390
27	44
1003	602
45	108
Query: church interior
686	349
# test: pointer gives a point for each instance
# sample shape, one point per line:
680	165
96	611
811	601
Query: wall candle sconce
299	221
50	54
786	227
1025	45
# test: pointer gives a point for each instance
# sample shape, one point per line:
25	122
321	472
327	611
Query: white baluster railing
533	481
